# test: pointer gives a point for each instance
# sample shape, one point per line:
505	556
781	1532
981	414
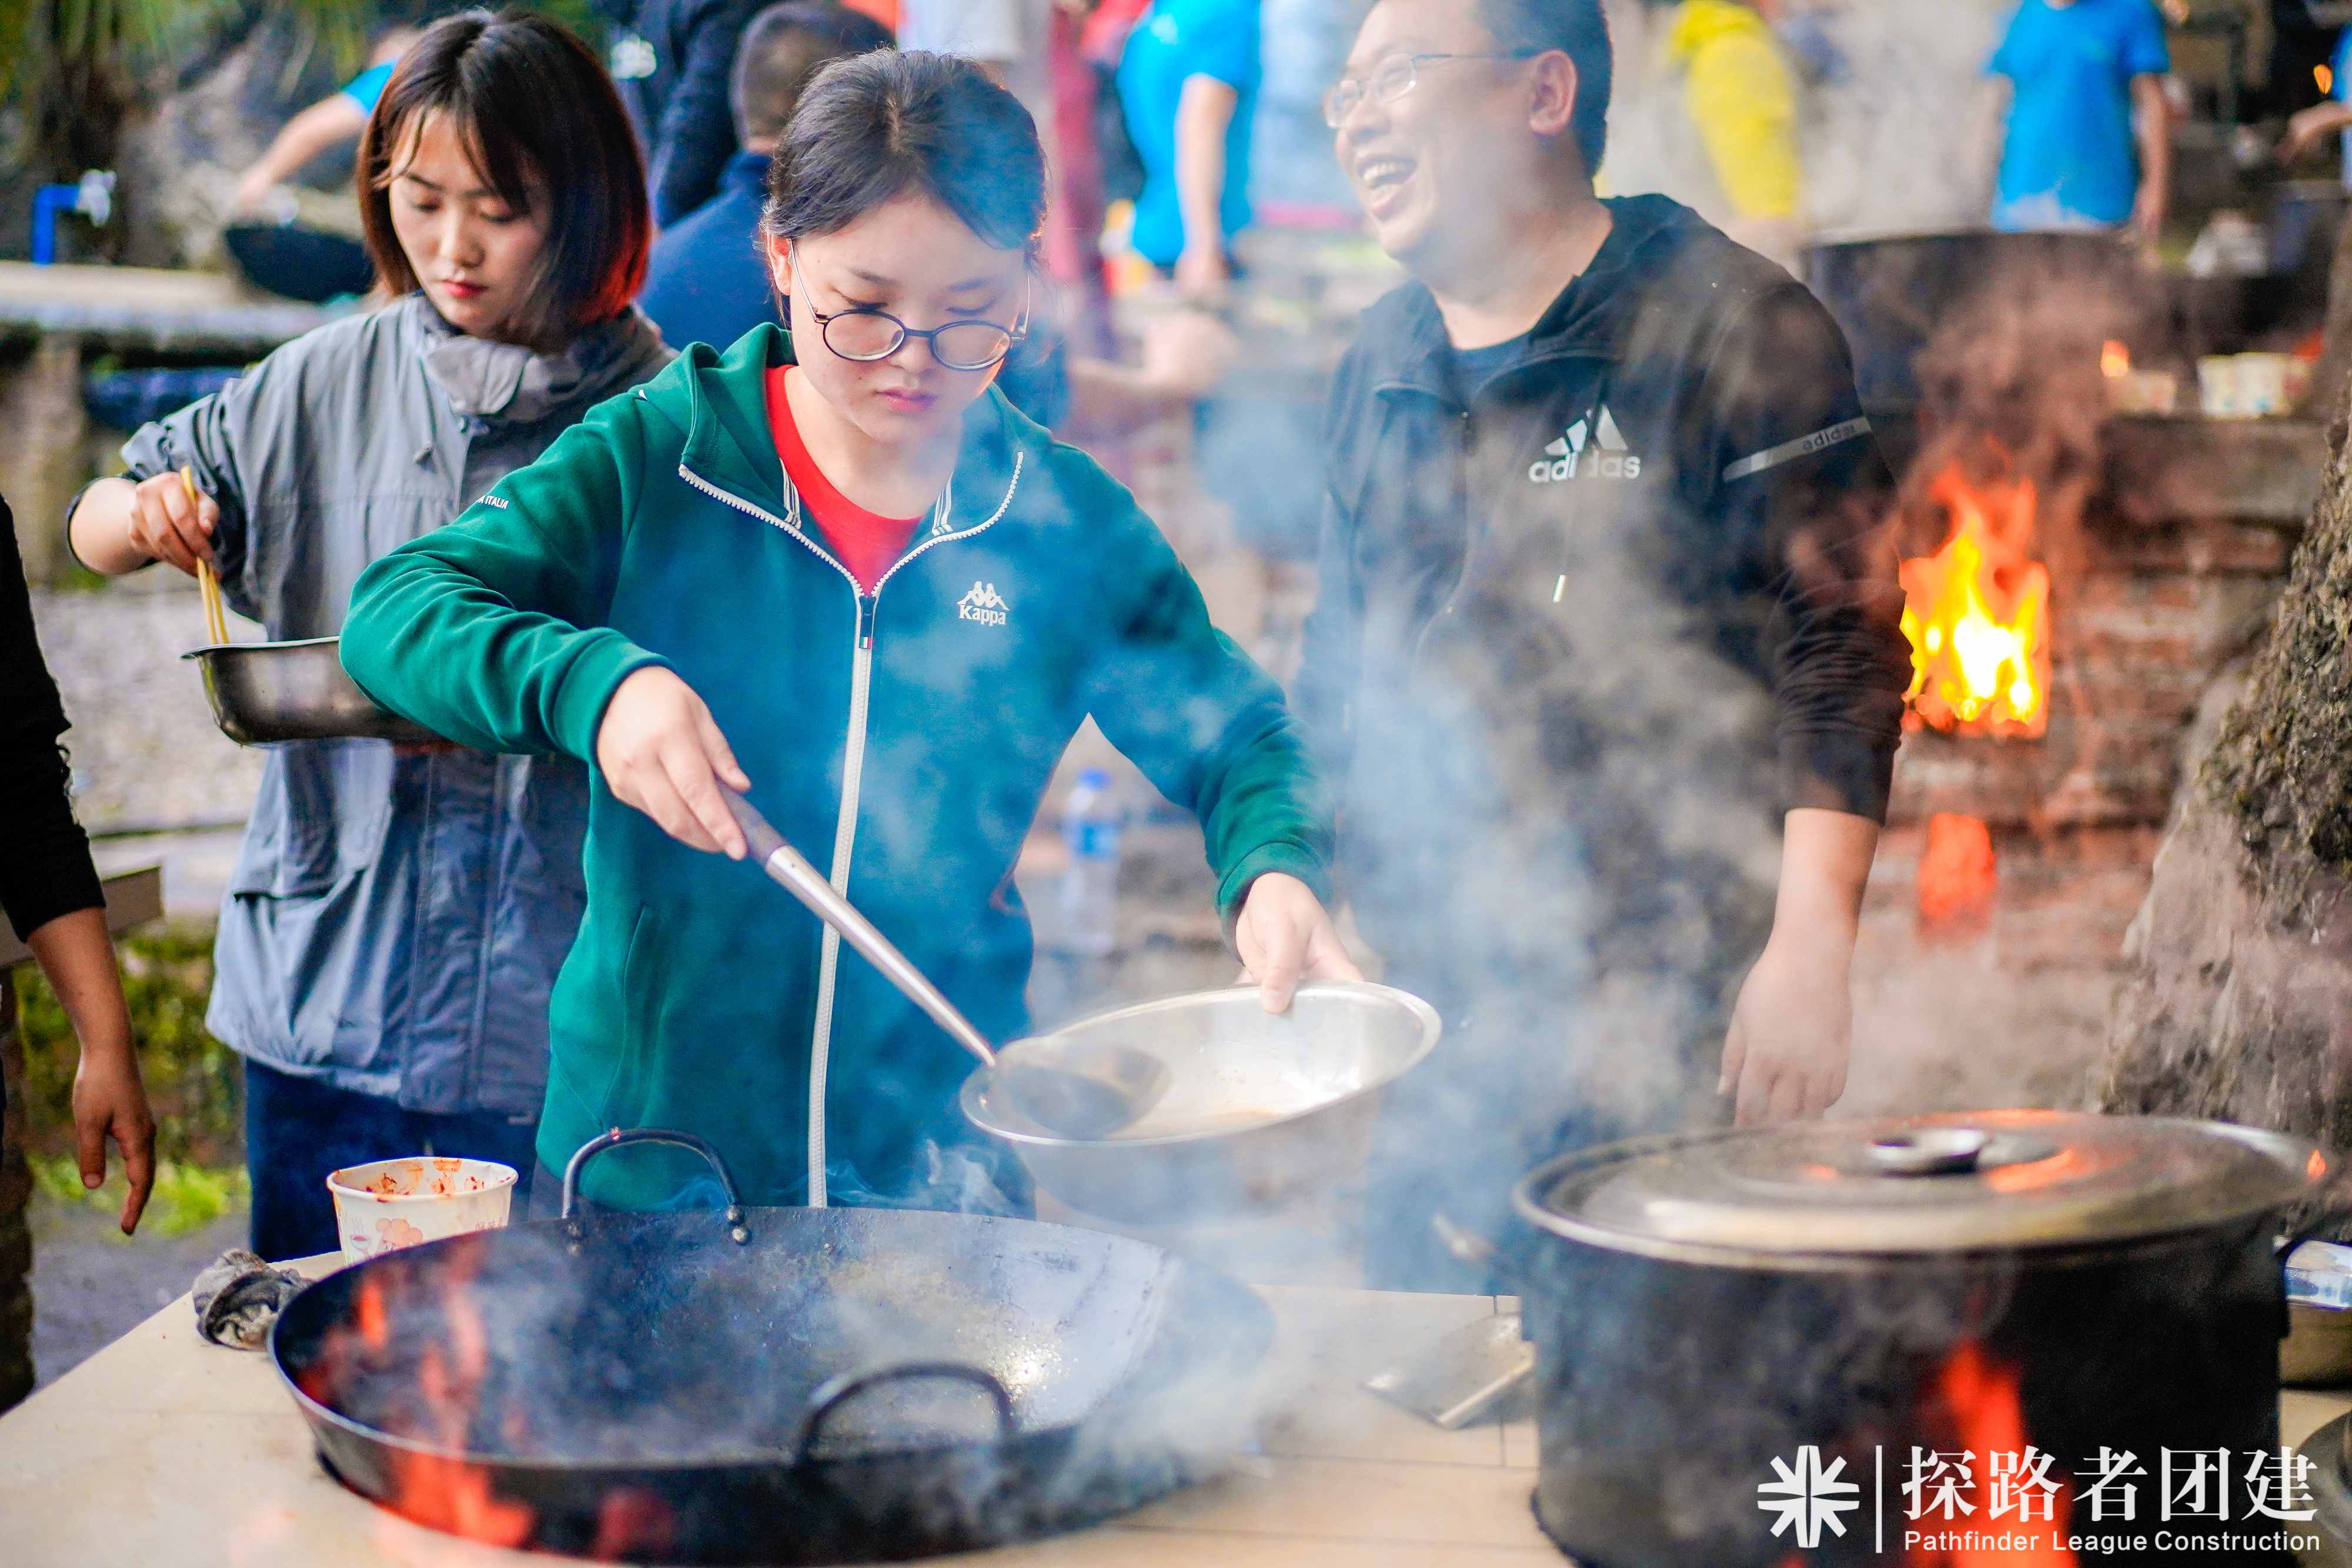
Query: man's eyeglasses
1391	77
866	334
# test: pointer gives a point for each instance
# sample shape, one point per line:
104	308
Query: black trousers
298	1130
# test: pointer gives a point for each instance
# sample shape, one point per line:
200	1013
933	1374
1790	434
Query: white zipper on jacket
852	765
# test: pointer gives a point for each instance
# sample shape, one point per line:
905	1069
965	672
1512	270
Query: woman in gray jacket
395	921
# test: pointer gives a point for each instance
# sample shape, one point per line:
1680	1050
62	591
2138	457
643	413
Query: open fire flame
1977	615
1958	878
1975	1398
1971	1410
432	1483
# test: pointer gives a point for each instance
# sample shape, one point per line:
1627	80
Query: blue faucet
92	196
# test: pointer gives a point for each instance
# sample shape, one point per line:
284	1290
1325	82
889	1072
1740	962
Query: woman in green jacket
857	570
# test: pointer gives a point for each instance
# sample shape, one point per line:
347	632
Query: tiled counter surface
162	1450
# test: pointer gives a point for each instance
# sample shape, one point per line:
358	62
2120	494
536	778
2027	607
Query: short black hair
873	127
784	47
533	106
1577	29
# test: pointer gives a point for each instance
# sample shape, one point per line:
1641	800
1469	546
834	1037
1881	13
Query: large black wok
782	1386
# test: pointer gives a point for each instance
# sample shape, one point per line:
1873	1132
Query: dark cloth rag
239	1296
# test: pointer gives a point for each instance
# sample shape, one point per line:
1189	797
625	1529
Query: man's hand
1791	1032
109	1101
1285	935
2312	126
1186	353
1202	273
2148	213
660	752
1792	1028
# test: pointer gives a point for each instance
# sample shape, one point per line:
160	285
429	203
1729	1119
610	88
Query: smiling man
1607	657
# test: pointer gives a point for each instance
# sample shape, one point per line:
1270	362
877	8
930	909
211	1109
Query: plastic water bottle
1091	827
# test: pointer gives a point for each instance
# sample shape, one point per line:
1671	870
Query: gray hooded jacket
395	922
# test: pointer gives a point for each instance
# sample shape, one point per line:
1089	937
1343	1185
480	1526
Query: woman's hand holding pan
661	752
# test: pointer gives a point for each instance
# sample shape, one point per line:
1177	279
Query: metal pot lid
1952	1182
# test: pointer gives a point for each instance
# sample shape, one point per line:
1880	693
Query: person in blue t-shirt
1189	84
2088	141
339	117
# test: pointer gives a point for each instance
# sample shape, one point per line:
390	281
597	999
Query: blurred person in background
1705	110
2085	133
704	283
2332	117
1032	47
337	118
1007	38
395	919
50	893
2304	37
1606	665
1188	84
673	60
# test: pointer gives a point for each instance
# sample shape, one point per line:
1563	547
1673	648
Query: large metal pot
1707	1309
1260	1107
268	692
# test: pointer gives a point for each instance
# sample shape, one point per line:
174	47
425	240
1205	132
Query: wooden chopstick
207	582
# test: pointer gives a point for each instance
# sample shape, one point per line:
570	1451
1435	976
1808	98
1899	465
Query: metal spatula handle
808	884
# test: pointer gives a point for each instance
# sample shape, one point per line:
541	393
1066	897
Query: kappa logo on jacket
1568	458
982	604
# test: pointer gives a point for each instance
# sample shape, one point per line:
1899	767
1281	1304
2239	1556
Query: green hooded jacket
903	739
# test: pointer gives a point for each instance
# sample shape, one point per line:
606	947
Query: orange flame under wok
1977	615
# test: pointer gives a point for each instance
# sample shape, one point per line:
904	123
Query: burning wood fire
1977	615
1999	1502
437	1490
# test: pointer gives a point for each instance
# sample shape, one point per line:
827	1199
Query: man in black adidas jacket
1608	660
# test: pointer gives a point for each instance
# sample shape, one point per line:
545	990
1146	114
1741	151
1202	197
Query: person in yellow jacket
1706	113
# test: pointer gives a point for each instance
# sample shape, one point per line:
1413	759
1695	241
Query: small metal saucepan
265	692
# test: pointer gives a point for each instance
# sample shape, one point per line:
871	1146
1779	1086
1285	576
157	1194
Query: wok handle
737	1231
805	883
836	1391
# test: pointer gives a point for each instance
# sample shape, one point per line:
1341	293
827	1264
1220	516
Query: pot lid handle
1929	1151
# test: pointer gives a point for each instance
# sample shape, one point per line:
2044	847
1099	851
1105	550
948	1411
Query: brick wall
2179	558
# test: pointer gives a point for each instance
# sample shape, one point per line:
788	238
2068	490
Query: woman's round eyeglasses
1393	76
866	334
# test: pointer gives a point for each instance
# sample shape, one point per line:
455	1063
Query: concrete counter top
167	1452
